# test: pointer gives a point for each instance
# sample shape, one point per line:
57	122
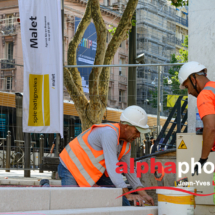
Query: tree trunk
91	112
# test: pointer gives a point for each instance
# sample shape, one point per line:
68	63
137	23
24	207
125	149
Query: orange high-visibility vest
202	111
86	164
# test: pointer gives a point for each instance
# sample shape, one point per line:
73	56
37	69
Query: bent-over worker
91	158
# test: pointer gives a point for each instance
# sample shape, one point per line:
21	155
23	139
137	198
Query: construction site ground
16	177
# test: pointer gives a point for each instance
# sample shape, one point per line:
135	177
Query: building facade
11	48
159	35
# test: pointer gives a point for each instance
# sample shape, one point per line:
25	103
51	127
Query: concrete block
9	181
204	209
55	182
24	199
76	197
28	182
153	210
32	182
51	198
19	182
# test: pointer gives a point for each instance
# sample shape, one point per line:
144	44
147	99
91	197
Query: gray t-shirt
105	138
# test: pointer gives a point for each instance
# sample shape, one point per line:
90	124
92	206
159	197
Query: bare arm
52	148
208	135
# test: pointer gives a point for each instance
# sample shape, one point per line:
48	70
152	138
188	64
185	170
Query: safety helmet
135	115
187	69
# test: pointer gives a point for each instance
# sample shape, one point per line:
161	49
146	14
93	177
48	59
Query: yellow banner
38	86
46	101
171	100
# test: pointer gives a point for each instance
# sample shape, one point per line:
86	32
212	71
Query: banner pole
62	15
62	19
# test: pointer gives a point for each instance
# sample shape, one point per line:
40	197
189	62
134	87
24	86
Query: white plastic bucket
172	202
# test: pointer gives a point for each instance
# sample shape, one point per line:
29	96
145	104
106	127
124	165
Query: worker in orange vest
193	76
91	158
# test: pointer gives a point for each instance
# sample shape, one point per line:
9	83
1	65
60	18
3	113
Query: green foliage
179	3
112	29
173	74
183	53
133	21
173	71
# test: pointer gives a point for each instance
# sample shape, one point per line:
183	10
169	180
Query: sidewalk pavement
16	177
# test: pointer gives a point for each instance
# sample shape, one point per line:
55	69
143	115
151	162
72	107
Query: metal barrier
13	157
179	121
149	83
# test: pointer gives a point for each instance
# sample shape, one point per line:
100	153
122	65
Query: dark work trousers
67	179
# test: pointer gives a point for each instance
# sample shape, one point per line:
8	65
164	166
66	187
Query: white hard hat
187	69
136	116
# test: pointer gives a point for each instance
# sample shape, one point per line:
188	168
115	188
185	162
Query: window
122	45
9	20
9	50
120	68
146	75
120	96
9	83
183	37
152	77
155	49
109	93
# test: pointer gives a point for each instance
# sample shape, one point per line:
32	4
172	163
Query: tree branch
118	37
100	51
71	56
77	96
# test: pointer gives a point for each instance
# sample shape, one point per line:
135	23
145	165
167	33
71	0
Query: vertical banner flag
41	32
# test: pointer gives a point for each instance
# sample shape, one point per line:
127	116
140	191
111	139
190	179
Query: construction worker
91	158
193	76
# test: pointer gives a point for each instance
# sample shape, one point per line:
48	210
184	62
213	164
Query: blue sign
86	52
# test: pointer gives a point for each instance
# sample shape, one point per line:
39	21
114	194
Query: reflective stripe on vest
210	88
126	147
213	90
86	164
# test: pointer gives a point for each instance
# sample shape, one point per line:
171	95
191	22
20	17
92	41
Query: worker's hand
148	199
135	198
196	168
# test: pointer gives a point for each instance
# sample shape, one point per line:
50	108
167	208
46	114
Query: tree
92	111
173	72
179	3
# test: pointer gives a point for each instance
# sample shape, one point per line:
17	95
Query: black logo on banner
33	41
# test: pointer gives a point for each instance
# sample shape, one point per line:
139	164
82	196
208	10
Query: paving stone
76	197
24	199
152	210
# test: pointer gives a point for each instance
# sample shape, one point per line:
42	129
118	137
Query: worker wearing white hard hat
91	158
193	76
